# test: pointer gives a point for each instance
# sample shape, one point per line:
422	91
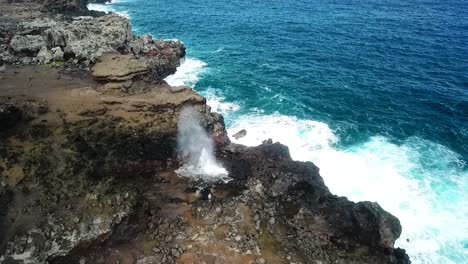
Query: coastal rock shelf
88	161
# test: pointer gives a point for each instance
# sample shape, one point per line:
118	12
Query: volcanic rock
65	6
242	133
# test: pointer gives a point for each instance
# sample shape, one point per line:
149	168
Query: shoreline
110	143
421	171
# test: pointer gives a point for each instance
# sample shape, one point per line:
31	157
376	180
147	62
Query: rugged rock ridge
65	6
81	40
88	160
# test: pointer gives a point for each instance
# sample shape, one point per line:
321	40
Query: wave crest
421	182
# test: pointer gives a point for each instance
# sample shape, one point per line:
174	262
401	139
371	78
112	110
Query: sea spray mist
196	148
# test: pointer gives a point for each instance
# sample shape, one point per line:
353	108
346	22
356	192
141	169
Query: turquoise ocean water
375	92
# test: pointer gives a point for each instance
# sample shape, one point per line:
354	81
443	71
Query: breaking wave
423	183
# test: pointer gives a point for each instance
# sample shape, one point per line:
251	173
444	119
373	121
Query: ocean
374	92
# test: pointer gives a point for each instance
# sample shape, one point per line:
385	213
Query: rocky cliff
88	163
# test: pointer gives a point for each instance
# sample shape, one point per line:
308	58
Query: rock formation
81	40
60	6
88	162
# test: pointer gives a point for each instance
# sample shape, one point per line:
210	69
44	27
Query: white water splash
188	73
218	103
420	182
196	149
107	8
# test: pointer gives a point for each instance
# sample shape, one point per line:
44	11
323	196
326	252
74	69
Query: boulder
240	134
44	56
118	67
57	54
27	43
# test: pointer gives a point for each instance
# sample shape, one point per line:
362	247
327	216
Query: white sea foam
100	7
218	103
188	73
107	8
420	182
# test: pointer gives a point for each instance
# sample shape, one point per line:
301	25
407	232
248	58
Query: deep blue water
375	92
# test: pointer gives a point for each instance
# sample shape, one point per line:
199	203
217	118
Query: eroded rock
65	6
117	67
28	43
44	56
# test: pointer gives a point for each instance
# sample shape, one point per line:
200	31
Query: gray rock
240	134
57	54
65	5
44	56
28	43
141	44
89	37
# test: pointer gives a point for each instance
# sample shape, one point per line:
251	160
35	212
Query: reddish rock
152	53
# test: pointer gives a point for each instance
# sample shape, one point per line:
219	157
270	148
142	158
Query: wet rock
309	215
99	1
242	133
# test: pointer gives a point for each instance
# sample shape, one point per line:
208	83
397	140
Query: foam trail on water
218	103
100	7
422	183
196	148
188	73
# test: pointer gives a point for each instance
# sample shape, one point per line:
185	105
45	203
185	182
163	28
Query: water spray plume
196	148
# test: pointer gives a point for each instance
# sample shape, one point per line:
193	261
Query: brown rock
117	67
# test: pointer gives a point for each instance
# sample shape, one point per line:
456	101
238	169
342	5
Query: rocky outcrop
99	1
27	43
82	40
65	6
116	67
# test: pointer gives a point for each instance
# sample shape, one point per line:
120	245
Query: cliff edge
88	161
